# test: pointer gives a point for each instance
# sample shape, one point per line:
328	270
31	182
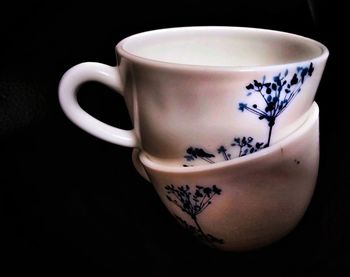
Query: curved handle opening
103	103
68	89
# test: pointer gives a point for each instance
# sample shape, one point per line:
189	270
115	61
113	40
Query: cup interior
221	46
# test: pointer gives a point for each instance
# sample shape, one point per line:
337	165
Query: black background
74	204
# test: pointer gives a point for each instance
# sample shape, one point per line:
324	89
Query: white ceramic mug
203	94
247	202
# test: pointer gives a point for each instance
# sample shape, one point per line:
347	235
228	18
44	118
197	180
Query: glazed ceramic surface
200	95
245	203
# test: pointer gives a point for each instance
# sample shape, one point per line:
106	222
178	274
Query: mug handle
68	87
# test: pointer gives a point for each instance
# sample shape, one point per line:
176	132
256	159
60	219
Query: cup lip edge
120	50
310	121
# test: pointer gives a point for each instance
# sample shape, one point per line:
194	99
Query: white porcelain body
263	196
185	87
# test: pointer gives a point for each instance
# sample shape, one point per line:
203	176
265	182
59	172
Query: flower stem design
277	95
222	150
195	153
194	204
245	144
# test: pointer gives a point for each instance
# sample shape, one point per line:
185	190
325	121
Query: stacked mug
225	125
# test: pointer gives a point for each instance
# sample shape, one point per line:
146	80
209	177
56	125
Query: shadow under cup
245	203
201	95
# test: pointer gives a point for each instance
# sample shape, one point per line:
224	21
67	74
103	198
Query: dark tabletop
74	204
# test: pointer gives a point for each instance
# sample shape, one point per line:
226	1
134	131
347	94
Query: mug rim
313	115
120	50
